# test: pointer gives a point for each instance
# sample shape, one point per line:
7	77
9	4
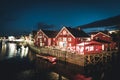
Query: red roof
50	33
76	32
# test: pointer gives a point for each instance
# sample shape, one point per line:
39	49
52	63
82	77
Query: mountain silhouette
112	22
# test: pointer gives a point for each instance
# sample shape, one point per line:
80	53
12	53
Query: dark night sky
23	15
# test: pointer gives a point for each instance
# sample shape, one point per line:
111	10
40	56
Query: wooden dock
82	60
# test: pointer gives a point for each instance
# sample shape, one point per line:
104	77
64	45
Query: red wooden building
75	40
89	47
104	39
45	38
67	38
101	36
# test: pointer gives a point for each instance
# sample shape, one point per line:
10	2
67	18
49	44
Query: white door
40	44
60	44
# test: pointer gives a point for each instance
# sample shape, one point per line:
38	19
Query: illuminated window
40	40
59	39
64	32
70	44
69	39
91	48
40	36
64	44
87	48
64	39
53	39
40	33
81	39
40	44
44	39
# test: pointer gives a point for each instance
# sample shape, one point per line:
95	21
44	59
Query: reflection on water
24	51
3	47
56	76
2	50
10	50
28	67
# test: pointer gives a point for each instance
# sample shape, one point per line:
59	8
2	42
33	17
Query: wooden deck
74	58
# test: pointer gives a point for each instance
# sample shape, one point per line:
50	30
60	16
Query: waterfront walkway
74	58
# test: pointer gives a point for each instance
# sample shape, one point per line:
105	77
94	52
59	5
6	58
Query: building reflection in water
10	50
56	76
3	47
24	51
44	70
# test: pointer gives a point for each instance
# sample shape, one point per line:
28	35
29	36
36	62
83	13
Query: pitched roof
77	32
105	32
50	33
103	41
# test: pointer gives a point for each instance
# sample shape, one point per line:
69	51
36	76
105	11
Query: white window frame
40	36
64	39
40	40
60	39
64	32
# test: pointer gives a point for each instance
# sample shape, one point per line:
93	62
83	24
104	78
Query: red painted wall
102	37
67	36
39	38
45	42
